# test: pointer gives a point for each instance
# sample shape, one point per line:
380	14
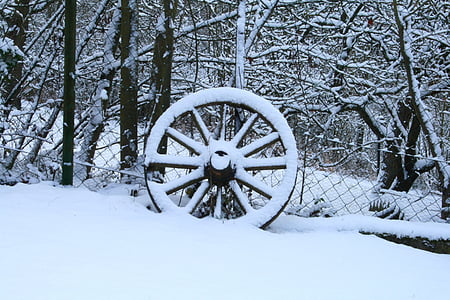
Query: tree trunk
240	46
17	30
162	60
101	97
419	107
162	72
128	85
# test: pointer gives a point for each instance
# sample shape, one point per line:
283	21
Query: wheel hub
219	170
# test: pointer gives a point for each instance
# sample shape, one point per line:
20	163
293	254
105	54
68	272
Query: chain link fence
342	190
336	176
329	183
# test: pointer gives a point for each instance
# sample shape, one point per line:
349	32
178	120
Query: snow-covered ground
71	243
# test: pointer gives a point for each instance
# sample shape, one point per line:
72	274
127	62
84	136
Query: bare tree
421	119
17	19
161	76
128	87
98	113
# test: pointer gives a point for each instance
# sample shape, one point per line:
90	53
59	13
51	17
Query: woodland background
363	84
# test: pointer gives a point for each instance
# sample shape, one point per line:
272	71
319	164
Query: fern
386	210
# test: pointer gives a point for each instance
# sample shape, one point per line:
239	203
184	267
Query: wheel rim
222	152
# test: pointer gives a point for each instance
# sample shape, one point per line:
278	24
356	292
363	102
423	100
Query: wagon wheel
222	152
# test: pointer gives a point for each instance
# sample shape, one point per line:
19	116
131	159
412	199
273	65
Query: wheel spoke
218	207
260	144
271	163
223	124
187	142
198	196
173	161
244	129
240	196
184	181
256	185
206	134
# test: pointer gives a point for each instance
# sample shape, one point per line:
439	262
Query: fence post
69	90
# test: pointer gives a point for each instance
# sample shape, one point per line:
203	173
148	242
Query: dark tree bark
162	74
128	85
17	30
162	61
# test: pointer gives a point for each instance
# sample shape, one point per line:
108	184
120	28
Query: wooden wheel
222	152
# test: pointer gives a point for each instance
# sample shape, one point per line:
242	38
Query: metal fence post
69	91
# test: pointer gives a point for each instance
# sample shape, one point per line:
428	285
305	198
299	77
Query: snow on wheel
222	152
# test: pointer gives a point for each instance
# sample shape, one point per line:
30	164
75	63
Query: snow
9	53
220	161
240	46
160	23
71	243
361	223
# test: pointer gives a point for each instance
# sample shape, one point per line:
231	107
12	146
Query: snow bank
358	223
67	243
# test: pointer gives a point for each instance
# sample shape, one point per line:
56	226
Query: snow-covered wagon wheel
222	152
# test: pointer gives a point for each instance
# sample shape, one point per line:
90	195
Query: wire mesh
336	176
347	189
322	189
